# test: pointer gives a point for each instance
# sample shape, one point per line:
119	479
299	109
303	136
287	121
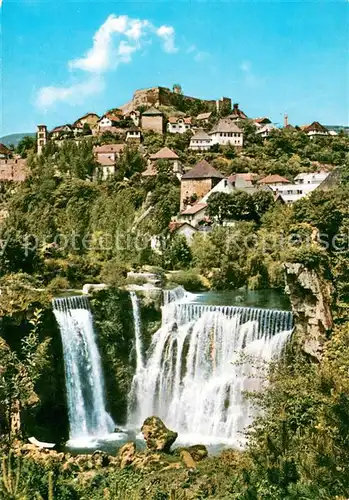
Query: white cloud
102	55
73	94
167	33
114	43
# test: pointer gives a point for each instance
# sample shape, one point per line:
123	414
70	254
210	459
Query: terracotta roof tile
4	150
274	179
105	161
164	154
150	171
249	177
194	209
109	148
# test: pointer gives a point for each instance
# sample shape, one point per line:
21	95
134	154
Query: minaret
41	138
285	120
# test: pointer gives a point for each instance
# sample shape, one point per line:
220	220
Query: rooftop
237	113
225	125
175	225
152	112
248	177
109	148
274	179
4	150
164	154
203	170
175	119
150	171
204	116
200	134
105	161
192	210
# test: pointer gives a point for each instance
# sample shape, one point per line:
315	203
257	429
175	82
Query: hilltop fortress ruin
162	96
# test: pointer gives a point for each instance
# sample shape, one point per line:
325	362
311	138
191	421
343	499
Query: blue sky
63	58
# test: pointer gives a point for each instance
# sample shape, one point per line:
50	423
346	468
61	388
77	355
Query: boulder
157	436
127	454
188	460
198	452
91	287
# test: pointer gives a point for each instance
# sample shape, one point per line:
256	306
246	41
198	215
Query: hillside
15	138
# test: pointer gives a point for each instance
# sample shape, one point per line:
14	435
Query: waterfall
83	371
135	386
195	374
137	329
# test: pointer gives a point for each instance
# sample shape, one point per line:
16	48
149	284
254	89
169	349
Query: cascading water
194	377
135	386
137	328
83	372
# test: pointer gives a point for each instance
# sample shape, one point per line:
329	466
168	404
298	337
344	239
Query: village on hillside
216	126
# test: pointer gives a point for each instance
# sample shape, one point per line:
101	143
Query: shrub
190	280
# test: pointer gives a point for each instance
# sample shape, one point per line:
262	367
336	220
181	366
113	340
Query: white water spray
83	372
192	379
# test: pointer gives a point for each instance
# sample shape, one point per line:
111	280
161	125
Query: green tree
177	254
26	145
220	207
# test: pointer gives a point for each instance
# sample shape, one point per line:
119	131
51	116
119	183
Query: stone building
196	183
41	138
153	120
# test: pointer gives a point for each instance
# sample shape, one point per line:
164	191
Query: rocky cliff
311	297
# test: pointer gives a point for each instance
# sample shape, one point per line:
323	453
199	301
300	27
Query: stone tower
41	138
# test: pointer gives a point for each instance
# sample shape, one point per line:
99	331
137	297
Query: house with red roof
5	152
237	114
273	180
167	155
178	124
194	214
106	156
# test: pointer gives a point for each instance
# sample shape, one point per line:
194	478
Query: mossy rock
157	436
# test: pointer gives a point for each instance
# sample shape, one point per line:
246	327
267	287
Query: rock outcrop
310	296
197	451
157	436
127	454
188	460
